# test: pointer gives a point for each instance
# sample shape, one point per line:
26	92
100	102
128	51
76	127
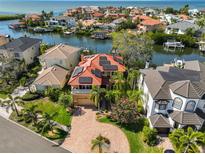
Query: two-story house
180	27
63	55
58	62
174	97
23	48
93	70
62	21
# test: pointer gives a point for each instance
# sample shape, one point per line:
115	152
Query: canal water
102	46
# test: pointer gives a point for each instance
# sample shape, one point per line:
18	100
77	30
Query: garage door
84	101
163	130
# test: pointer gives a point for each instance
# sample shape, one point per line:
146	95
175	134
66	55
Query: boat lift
172	45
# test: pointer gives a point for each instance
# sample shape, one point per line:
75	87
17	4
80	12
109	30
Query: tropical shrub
125	112
65	100
150	135
30	96
53	94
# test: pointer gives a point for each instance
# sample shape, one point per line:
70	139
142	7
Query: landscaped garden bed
44	117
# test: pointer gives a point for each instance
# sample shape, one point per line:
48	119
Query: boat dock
173	45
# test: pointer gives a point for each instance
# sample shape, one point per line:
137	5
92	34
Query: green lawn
3	96
134	136
62	117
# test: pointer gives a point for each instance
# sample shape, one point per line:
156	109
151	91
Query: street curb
34	132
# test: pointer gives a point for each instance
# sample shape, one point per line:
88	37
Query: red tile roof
90	63
142	17
151	22
98	14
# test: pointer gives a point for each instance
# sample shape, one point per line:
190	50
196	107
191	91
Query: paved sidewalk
84	128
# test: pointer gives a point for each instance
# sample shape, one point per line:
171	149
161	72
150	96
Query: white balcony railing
81	91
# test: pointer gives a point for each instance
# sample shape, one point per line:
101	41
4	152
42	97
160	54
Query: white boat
68	33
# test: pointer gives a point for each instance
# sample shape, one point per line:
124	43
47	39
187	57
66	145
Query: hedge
30	96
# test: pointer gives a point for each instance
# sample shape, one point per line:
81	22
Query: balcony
80	91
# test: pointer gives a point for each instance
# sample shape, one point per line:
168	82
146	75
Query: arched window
178	103
190	106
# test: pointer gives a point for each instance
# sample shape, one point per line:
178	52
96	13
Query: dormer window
190	106
178	103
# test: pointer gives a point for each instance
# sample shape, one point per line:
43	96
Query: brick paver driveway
85	128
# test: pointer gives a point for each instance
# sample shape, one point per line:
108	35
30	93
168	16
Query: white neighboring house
170	18
174	97
180	27
54	76
193	12
23	48
63	55
62	21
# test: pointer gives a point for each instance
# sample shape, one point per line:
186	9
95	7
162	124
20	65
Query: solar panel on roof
104	62
77	71
97	73
110	67
118	60
103	58
85	80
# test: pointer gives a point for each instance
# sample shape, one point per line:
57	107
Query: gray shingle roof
186	118
183	25
158	80
20	44
159	121
188	89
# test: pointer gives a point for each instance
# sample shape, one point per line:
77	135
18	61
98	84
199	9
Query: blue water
102	46
28	6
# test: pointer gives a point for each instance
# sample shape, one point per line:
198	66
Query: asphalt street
15	139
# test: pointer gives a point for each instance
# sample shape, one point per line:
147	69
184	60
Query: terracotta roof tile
90	63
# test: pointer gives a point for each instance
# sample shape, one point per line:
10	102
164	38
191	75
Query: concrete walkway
165	143
85	128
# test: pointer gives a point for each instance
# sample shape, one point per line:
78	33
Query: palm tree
96	96
187	142
11	103
31	114
135	95
47	122
132	78
118	80
99	143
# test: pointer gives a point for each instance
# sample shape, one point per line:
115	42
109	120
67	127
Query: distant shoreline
36	6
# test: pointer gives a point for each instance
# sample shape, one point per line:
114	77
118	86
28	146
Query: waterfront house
180	27
93	70
63	55
150	25
23	48
54	76
174	95
34	17
62	21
